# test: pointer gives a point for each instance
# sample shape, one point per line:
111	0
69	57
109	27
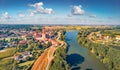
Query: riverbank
79	57
106	53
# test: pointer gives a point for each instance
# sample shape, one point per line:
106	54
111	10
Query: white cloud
48	11
36	5
20	14
77	10
31	13
40	9
5	15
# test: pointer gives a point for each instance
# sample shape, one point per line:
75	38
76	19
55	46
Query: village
98	37
12	38
28	45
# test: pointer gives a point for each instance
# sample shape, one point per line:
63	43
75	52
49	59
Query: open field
6	64
8	53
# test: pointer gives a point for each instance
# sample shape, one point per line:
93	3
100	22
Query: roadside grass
28	63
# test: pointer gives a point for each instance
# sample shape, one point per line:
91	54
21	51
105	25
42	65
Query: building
117	38
22	56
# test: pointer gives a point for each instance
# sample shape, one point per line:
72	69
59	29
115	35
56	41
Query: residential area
24	46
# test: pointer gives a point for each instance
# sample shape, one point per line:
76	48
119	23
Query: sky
91	12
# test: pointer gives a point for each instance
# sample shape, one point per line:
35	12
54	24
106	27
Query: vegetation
107	54
8	27
59	61
62	37
7	53
6	64
24	65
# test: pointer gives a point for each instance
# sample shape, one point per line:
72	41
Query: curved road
43	62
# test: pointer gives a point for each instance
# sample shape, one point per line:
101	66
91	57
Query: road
43	62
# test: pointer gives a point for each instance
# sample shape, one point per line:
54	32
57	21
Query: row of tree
59	61
107	54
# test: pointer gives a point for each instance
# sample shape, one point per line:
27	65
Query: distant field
109	32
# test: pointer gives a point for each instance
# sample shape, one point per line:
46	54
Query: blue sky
60	12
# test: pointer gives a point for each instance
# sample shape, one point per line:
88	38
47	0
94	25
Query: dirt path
43	62
39	62
50	56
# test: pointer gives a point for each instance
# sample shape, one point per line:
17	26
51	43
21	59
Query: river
79	57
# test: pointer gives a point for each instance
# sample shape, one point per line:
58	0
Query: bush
106	53
59	61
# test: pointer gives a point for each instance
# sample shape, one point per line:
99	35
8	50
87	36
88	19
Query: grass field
28	63
109	32
8	53
6	64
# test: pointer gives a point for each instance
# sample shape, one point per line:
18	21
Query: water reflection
68	39
74	59
76	68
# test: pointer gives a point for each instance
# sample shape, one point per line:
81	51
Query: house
107	37
101	37
18	57
55	43
1	46
117	38
26	54
22	56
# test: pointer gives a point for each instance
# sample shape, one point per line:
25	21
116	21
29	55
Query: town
23	46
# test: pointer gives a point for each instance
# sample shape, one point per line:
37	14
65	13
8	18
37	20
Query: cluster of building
4	45
23	56
46	36
101	37
43	37
106	38
117	38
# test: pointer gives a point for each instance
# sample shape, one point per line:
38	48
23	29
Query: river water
79	57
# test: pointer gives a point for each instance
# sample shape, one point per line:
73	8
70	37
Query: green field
28	63
6	64
111	32
8	53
